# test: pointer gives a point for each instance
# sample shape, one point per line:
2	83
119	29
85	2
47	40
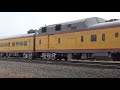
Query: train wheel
25	56
30	56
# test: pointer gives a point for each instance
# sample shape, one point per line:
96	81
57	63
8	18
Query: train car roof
78	21
17	36
85	20
105	25
76	25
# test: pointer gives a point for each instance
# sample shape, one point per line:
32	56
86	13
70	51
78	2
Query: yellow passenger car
90	38
17	45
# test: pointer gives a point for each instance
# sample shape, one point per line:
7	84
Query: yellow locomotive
90	38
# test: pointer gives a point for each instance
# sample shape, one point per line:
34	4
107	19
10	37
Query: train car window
8	44
25	43
58	27
58	40
13	43
116	34
103	37
1	44
44	29
69	26
4	44
21	43
17	43
39	41
73	27
93	37
82	39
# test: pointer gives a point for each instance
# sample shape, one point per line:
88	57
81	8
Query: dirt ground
7	74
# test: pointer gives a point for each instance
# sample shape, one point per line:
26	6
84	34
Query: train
91	38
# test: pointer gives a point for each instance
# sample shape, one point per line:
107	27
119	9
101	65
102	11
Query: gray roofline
69	22
104	25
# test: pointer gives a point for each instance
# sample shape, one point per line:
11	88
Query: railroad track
100	64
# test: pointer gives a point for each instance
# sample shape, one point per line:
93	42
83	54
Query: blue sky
15	23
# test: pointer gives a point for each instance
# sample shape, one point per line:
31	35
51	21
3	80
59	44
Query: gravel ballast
12	69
